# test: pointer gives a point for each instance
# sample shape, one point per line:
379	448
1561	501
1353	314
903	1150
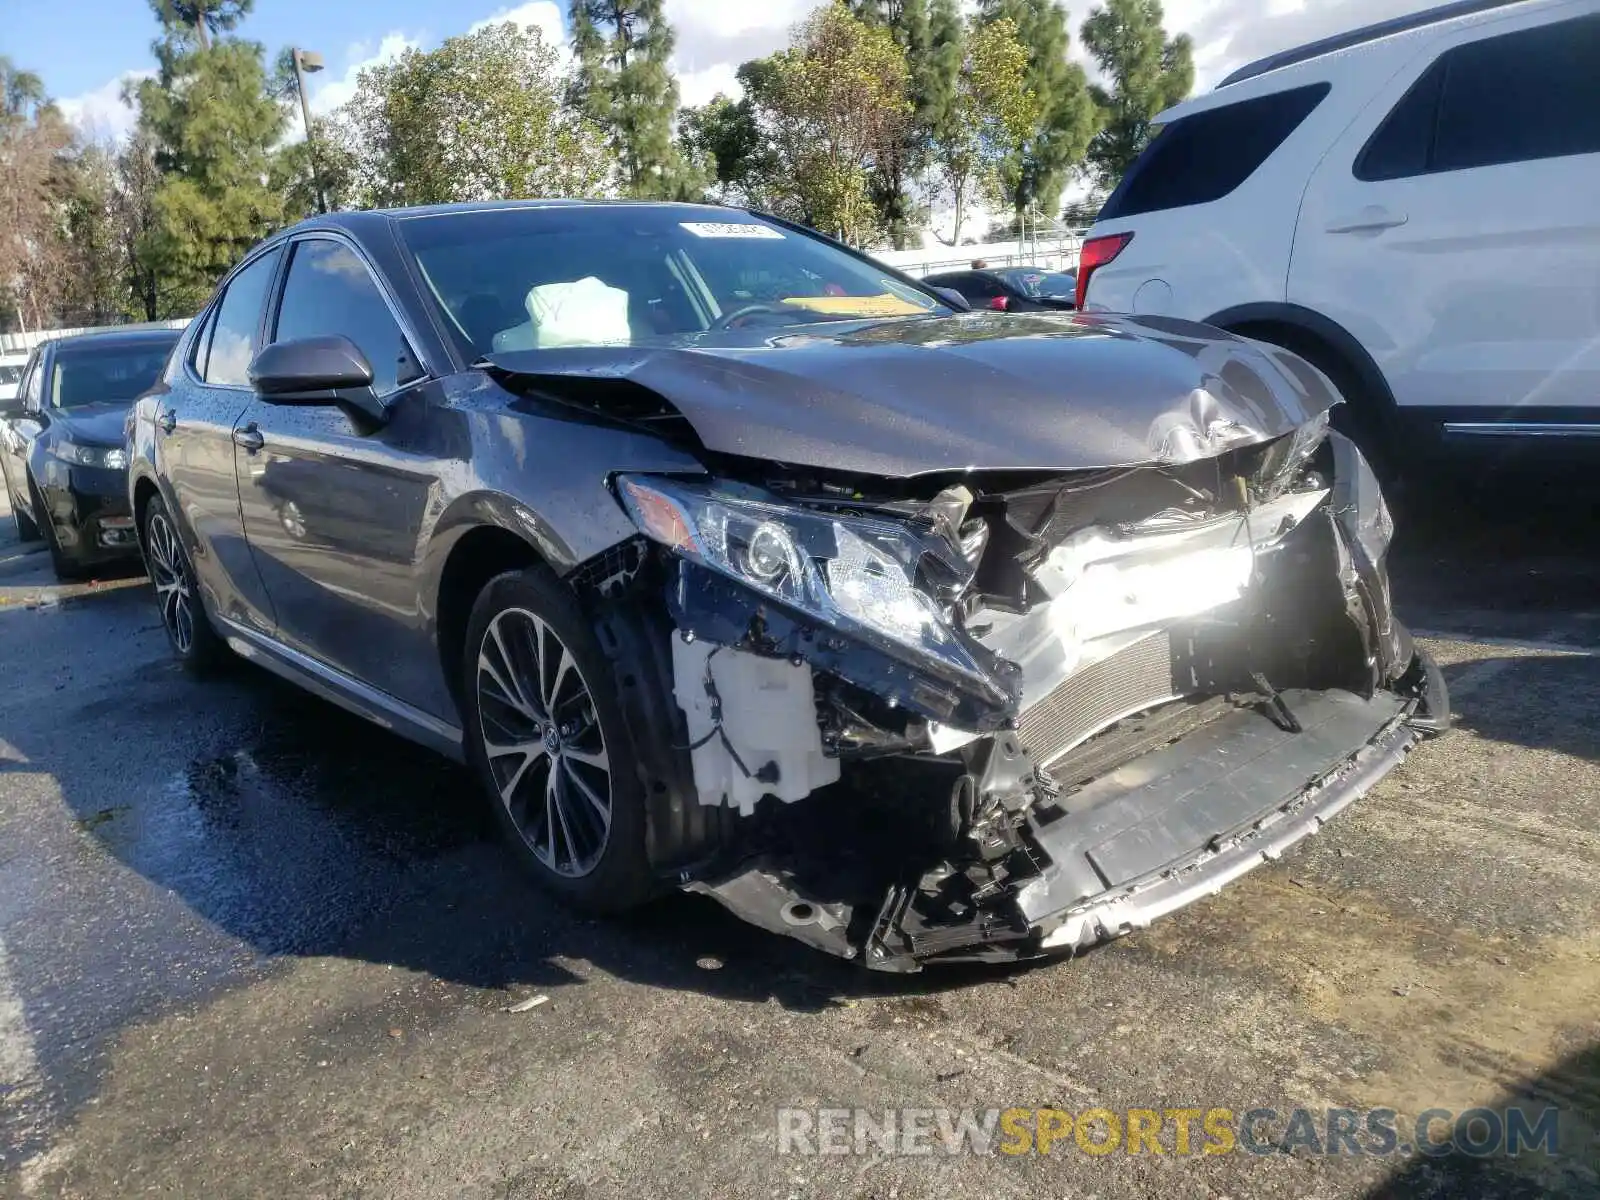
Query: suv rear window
1203	157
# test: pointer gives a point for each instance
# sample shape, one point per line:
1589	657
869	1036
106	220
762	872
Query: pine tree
211	124
624	84
1148	73
204	18
1036	172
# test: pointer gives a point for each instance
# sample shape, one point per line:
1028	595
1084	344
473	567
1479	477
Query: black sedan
63	444
731	560
1012	289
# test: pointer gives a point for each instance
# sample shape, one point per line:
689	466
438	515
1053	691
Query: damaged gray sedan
733	561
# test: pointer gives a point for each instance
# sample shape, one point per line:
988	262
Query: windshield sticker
729	229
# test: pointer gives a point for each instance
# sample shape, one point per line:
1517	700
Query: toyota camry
733	561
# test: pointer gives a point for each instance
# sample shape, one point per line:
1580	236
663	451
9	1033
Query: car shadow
1559	697
1572	1088
300	830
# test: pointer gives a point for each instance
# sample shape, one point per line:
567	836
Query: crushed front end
1015	713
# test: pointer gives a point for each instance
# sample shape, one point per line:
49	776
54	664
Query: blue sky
85	49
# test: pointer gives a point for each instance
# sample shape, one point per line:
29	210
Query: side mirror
307	368
954	299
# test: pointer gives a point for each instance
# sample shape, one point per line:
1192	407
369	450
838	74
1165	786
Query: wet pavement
250	945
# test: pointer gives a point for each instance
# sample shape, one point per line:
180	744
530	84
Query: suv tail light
1096	253
1000	304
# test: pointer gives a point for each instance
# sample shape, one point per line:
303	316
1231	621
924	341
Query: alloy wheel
171	582
543	742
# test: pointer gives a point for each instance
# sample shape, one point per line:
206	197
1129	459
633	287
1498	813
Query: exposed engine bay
997	716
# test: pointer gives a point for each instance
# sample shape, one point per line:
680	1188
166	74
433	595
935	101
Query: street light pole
307	62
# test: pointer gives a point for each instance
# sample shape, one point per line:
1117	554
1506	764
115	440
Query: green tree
95	277
35	144
723	143
990	112
1147	71
296	173
930	38
1036	170
203	18
211	124
624	84
479	118
831	106
138	181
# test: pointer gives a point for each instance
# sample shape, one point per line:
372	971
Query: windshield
1055	285
530	278
106	374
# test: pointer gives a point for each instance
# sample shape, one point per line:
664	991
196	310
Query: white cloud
101	115
328	94
697	87
543	15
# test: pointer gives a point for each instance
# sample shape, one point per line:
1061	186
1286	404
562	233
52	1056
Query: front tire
27	527
194	643
67	571
546	735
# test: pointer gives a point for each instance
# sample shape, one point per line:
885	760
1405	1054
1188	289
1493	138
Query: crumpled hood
996	391
92	424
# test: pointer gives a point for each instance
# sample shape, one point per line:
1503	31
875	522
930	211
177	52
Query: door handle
249	437
1372	219
167	421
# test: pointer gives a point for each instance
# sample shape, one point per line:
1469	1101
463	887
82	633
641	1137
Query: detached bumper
1181	823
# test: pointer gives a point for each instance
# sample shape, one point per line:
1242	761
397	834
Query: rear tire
545	732
183	615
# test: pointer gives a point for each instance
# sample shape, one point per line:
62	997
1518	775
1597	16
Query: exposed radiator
1130	681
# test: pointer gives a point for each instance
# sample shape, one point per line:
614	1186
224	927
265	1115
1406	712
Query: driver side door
334	503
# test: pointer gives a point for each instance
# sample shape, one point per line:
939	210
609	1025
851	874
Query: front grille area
1130	681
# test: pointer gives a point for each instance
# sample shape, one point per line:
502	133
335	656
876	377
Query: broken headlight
856	573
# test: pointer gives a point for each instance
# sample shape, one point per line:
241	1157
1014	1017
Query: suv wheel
183	616
546	735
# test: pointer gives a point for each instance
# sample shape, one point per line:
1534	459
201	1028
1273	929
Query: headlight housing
858	574
1290	453
113	457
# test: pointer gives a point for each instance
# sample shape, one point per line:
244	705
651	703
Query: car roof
367	220
1365	34
116	337
1381	48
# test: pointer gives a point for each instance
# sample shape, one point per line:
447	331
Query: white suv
1414	207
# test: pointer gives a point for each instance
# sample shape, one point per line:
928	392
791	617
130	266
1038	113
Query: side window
33	389
1203	157
201	350
1522	96
1403	144
1514	98
330	291
233	333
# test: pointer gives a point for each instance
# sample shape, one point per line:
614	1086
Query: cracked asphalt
251	946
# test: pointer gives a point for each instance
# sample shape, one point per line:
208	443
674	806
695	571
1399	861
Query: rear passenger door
1455	228
334	504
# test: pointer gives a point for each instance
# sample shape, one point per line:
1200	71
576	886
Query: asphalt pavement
252	946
